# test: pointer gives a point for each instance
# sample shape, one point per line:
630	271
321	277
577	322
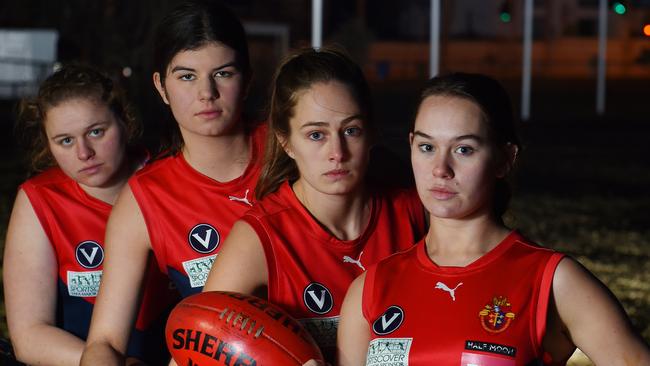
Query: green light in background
619	8
505	17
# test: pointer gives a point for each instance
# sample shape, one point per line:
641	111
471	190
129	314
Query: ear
158	83
510	152
411	137
286	146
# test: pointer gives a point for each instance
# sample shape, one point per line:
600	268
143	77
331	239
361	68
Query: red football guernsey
74	223
310	269
489	313
188	214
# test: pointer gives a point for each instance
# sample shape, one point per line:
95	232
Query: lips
209	113
90	169
442	193
337	173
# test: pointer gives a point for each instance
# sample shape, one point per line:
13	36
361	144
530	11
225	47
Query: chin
343	189
98	181
94	183
436	210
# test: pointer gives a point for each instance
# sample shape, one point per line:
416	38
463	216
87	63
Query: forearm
47	345
101	354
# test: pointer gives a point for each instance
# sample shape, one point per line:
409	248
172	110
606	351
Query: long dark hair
189	26
73	81
496	107
297	73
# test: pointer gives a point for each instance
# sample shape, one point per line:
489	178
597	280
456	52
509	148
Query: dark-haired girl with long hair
181	206
317	224
80	137
473	291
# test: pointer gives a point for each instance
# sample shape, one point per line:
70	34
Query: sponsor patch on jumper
323	330
84	284
491	348
198	270
475	359
389	352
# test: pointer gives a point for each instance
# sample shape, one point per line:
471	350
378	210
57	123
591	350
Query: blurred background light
619	8
127	72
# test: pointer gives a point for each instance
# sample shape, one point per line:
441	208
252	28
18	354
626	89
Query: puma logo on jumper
446	288
243	200
357	261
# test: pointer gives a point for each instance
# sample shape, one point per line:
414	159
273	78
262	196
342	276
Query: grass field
581	188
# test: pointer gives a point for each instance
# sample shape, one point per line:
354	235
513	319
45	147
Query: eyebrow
457	138
344	122
91	127
187	68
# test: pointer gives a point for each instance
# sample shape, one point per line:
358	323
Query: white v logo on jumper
385	324
243	200
389	321
91	256
443	287
347	259
319	301
203	241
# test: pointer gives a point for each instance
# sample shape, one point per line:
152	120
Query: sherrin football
228	328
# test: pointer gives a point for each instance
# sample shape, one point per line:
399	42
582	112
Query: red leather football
228	328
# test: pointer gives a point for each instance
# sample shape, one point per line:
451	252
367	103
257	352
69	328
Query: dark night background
582	181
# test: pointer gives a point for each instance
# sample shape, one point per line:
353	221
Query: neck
453	242
106	194
344	216
222	158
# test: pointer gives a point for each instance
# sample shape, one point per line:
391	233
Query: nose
442	166
208	89
338	149
85	150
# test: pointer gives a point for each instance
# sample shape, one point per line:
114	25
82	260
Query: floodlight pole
434	49
526	66
316	23
602	55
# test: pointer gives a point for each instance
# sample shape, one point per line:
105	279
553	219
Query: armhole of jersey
37	205
156	296
544	296
159	251
367	293
264	237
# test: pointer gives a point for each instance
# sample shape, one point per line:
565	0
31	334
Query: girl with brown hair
81	137
318	224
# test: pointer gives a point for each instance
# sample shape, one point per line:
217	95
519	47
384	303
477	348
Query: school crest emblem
497	315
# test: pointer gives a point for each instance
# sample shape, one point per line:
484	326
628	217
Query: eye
465	150
223	74
66	141
352	131
96	132
425	147
316	136
187	77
